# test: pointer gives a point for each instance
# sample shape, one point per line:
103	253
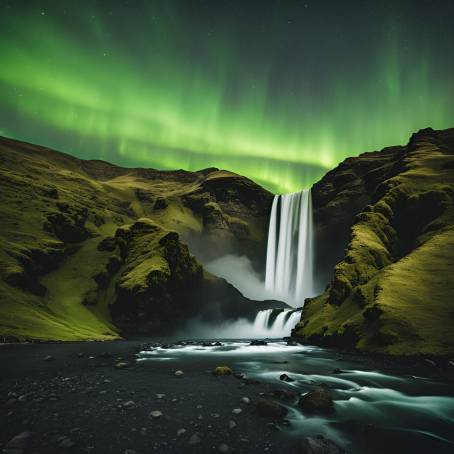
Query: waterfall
289	270
281	327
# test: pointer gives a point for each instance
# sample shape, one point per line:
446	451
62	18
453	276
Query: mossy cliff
392	289
89	249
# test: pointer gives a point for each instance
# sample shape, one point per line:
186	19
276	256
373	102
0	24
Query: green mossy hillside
81	240
393	292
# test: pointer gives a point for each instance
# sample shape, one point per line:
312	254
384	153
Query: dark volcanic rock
318	400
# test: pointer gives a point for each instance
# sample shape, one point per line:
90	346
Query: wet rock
319	445
121	365
181	432
268	408
217	344
48	358
237	411
246	400
105	355
336	370
273	426
65	442
222	370
20	441
179	373
160	396
130	451
319	400
285	377
155	414
292	343
429	362
258	342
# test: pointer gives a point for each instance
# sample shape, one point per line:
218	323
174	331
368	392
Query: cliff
89	250
391	215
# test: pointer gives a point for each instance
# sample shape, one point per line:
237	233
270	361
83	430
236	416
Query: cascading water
282	325
289	269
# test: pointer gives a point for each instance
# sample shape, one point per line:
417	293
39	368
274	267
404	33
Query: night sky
279	91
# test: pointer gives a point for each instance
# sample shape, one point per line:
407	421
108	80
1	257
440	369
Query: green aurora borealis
277	91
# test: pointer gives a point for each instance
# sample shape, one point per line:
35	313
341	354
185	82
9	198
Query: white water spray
281	326
289	261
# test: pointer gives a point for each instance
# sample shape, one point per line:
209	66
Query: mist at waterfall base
289	273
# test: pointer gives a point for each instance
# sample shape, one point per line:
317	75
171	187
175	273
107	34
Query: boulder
222	370
318	400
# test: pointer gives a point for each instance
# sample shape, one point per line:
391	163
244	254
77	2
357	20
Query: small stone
22	398
246	400
49	358
256	342
273	426
222	370
232	424
194	440
80	355
160	396
20	441
181	432
129	405
199	406
319	445
65	442
223	448
237	411
121	365
336	370
285	377
430	362
179	373
155	414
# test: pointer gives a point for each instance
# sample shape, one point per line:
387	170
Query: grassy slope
37	183
393	292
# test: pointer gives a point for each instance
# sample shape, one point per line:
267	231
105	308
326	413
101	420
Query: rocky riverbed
224	396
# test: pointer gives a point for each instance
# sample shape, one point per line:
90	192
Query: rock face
393	211
89	249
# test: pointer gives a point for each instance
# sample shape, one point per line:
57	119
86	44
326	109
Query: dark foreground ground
78	401
82	404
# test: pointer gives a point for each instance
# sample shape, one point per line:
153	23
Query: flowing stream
375	410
